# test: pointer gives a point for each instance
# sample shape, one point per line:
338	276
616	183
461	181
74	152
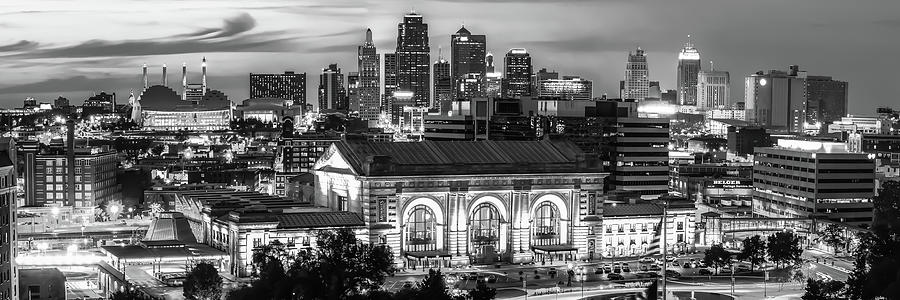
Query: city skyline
239	38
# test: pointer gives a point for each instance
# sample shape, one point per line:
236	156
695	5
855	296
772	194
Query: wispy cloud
230	27
231	37
19	46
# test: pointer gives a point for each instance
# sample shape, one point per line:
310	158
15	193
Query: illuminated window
420	230
485	226
546	225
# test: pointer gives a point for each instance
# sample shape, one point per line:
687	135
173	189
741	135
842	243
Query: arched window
485	226
546	229
420	230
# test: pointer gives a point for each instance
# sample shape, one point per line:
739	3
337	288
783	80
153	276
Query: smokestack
146	81
165	79
70	157
204	76
183	81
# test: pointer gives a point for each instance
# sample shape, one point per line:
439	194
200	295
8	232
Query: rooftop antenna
689	43
712	66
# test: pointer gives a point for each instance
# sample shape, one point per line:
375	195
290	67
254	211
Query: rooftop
465	157
292	220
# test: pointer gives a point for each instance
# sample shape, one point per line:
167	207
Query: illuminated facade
812	179
568	88
637	76
94	180
628	229
413	59
713	91
369	67
332	93
517	66
688	68
163	110
458	203
289	86
467	54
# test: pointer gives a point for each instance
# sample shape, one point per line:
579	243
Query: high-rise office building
826	99
713	89
332	94
568	88
353	91
637	76
492	79
414	59
542	75
369	67
61	102
287	86
814	179
517	82
467	55
777	99
443	85
688	68
9	280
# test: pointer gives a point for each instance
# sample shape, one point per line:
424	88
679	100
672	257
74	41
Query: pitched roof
307	219
465	157
170	226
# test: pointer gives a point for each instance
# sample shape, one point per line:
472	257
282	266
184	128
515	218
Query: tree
339	267
127	294
717	257
876	271
754	251
203	283
482	292
823	290
784	248
433	287
833	236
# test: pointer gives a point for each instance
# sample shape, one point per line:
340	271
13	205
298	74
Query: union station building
449	203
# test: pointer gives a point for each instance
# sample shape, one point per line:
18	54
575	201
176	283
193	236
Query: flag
653	248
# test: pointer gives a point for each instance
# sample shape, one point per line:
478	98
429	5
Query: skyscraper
518	69
369	90
332	94
637	76
390	74
688	68
492	79
713	91
414	59
777	99
467	53
353	91
287	86
443	85
826	99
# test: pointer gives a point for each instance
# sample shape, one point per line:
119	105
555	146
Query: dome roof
163	98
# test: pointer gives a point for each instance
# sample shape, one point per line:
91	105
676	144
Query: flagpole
664	247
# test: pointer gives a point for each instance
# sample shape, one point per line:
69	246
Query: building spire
203	80
689	44
712	66
368	36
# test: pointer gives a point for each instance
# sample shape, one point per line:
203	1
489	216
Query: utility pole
664	247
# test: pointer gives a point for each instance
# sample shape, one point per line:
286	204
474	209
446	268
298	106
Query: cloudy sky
72	48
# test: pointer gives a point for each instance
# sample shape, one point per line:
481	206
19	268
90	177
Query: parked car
647	260
705	272
643	275
473	276
598	271
617	269
607	269
614	277
686	265
626	269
